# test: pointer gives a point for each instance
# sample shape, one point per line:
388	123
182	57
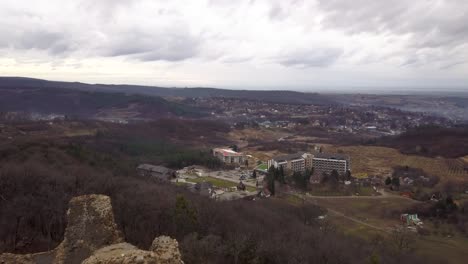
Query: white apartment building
298	162
326	163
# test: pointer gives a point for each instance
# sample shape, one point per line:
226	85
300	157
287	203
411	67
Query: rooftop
289	157
149	167
335	156
227	152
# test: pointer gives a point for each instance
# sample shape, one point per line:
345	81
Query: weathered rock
122	253
8	258
92	236
91	226
164	250
167	250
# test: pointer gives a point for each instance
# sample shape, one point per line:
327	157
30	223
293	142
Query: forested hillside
90	104
430	141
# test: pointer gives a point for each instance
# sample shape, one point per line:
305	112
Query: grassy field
361	175
263	167
383	214
365	160
218	182
318	191
321	190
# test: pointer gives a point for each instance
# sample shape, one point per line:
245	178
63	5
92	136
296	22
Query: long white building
298	162
326	163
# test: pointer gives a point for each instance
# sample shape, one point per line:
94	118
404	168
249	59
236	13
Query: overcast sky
287	44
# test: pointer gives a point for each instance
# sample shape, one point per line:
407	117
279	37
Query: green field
262	167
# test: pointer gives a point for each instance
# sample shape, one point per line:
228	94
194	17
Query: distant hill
35	96
268	96
452	107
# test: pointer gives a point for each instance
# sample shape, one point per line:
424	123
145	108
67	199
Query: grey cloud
276	12
54	43
311	58
169	45
105	9
280	10
230	59
431	23
223	3
431	26
437	57
170	42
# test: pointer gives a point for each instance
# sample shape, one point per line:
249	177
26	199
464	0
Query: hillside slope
89	104
431	141
268	96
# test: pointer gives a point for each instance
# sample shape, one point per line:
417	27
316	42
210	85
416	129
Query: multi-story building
293	162
326	163
229	156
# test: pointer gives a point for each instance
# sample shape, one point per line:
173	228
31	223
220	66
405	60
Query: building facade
326	163
298	162
229	156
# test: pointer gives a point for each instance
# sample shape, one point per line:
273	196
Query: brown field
131	111
381	160
365	160
261	133
368	217
381	212
465	159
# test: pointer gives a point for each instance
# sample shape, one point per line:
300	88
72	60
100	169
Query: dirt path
384	195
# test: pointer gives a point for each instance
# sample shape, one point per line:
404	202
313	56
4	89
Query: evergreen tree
396	181
271	175
271	170
334	175
185	216
348	175
234	148
374	259
281	175
334	178
388	181
307	174
325	177
300	180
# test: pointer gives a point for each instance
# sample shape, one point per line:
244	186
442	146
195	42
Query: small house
156	172
411	219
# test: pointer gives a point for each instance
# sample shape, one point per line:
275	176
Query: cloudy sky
287	44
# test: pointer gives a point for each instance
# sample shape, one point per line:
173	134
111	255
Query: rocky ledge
92	237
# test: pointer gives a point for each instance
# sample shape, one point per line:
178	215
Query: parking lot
228	175
235	176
